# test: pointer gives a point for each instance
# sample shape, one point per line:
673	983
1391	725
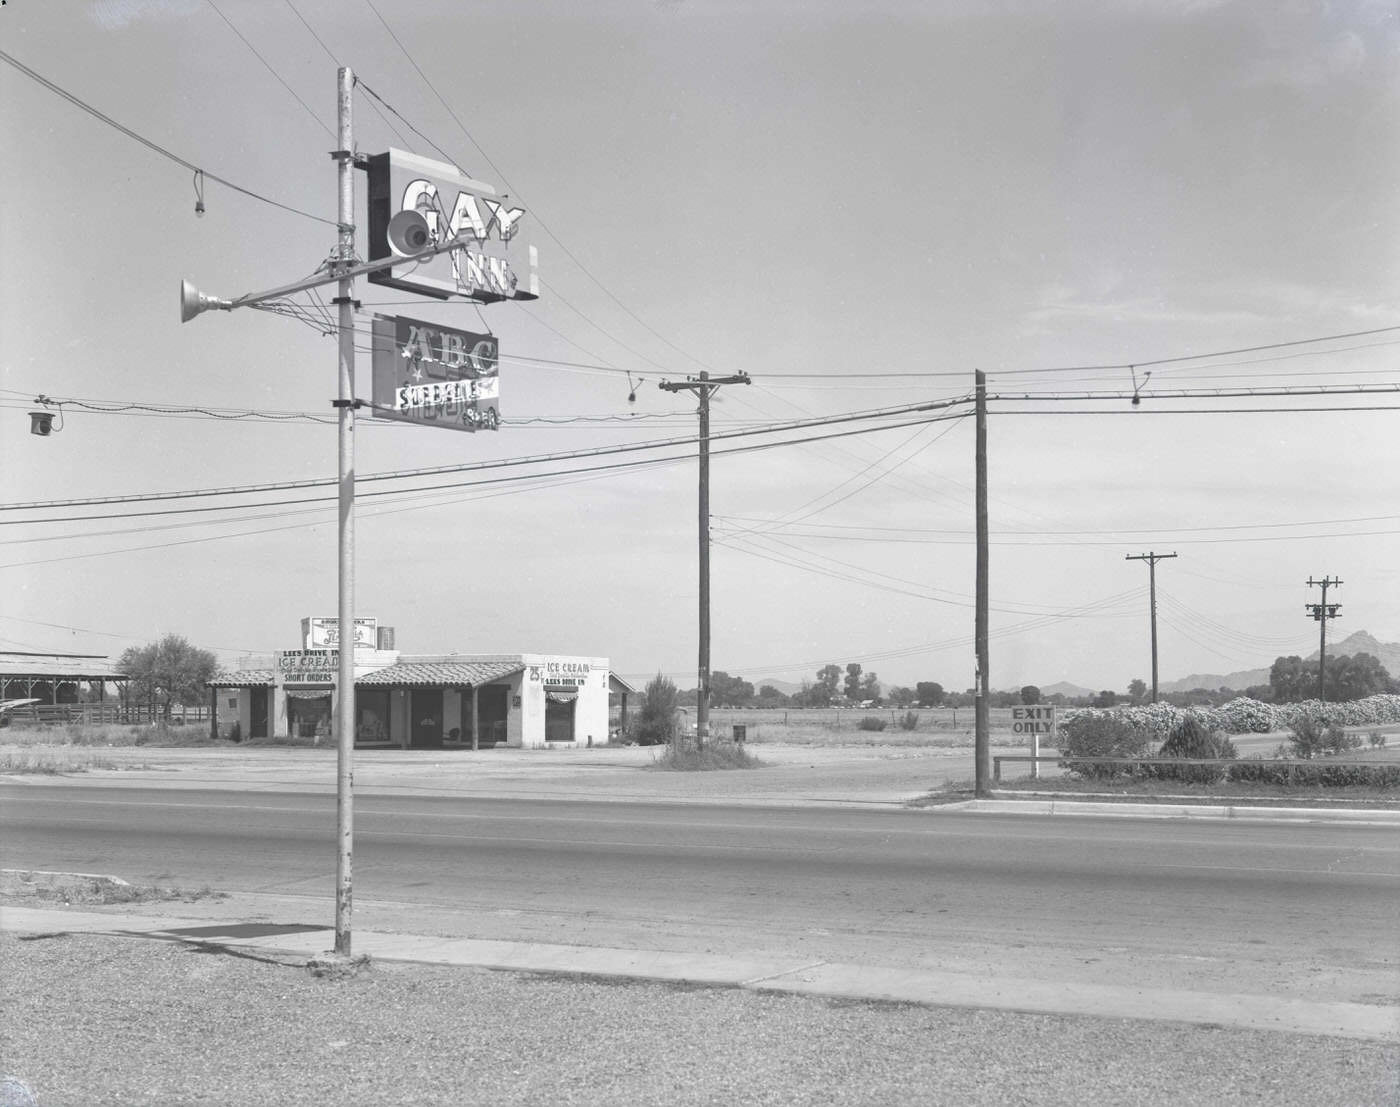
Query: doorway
493	709
257	714
425	722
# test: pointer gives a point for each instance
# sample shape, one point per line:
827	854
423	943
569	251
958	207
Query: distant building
436	701
55	678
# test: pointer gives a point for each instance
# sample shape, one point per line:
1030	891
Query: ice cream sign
455	206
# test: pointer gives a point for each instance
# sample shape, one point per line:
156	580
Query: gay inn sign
455	206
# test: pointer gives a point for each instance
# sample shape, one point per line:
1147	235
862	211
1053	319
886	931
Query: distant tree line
1290	679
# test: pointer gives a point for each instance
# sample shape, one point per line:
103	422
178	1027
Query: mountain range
1388	653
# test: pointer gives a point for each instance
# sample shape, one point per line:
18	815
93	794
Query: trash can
741	731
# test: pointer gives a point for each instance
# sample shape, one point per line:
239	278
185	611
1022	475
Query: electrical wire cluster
784	539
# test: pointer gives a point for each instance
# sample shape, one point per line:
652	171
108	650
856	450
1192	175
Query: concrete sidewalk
766	974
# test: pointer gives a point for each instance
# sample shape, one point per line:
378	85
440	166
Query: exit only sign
1039	719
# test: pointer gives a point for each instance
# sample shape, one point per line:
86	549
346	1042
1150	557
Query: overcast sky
814	192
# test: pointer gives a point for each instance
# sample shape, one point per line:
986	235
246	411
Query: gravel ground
102	1020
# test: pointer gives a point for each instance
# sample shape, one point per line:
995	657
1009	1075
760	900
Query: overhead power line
1145	363
441	470
268	66
161	150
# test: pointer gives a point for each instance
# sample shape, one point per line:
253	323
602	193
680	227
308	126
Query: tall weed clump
1100	735
714	755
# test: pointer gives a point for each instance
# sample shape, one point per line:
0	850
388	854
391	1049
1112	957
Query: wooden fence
95	714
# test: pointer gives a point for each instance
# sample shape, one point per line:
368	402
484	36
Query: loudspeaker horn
41	423
409	234
193	301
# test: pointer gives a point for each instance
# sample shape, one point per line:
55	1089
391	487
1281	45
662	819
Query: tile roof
434	673
431	674
242	678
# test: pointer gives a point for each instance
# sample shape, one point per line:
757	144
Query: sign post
1034	721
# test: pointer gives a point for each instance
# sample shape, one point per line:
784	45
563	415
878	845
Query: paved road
1307	911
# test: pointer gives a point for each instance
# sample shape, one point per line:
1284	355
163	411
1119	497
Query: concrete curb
762	974
1351	816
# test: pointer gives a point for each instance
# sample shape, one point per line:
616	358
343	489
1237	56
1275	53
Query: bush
910	721
872	722
1192	738
1312	737
656	721
1100	734
1336	774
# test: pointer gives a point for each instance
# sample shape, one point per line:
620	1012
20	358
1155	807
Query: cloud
1325	62
1258	302
114	15
1061	304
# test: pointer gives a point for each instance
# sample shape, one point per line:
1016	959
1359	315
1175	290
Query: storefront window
372	716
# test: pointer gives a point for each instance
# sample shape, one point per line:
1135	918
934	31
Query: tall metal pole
702	686
345	699
1152	559
703	386
982	728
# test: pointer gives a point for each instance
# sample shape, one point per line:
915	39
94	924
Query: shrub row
1242	716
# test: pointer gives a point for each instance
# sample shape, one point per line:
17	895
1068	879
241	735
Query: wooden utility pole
1152	559
703	386
1322	612
982	718
345	606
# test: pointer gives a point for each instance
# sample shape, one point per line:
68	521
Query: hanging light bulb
199	193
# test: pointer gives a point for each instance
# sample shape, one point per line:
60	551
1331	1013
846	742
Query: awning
308	693
560	695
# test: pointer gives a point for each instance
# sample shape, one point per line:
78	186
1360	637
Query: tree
168	672
825	690
656	721
728	691
768	696
853	681
901	696
1030	695
1355	677
929	693
1105	699
1137	690
1292	679
870	688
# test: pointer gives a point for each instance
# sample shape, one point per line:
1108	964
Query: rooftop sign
324	633
455	206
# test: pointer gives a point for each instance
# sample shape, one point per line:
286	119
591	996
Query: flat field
933	726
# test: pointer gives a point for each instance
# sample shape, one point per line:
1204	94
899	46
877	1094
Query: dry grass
802	733
55	762
91	889
110	735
